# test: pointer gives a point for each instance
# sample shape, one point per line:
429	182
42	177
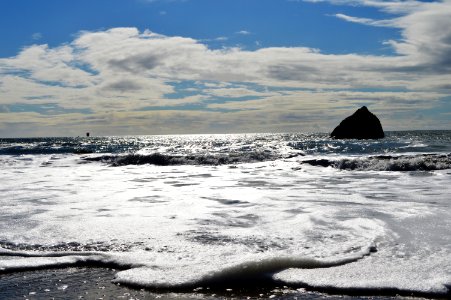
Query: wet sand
96	283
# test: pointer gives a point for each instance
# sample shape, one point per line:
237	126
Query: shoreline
96	283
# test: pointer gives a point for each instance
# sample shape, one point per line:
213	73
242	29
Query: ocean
170	213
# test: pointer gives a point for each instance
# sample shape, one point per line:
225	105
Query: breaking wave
170	160
423	162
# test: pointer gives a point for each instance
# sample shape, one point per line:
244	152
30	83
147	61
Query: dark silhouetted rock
361	125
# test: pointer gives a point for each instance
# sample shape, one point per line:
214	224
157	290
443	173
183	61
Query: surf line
31	261
263	270
243	274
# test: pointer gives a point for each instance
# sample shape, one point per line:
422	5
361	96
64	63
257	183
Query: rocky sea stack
361	125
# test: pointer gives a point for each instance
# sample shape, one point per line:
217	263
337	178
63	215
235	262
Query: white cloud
124	70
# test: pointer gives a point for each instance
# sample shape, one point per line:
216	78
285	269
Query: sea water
188	211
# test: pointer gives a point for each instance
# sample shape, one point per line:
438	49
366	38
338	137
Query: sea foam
358	225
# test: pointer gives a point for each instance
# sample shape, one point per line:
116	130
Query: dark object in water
87	134
361	125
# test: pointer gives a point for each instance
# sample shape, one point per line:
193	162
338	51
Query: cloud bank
123	81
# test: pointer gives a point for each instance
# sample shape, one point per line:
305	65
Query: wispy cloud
425	28
36	36
221	38
154	1
367	21
243	32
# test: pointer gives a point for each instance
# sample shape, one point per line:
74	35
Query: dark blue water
431	149
314	143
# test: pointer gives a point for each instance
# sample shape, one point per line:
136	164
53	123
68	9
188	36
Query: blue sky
269	22
201	66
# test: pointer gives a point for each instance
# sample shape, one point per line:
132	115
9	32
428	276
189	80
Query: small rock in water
361	125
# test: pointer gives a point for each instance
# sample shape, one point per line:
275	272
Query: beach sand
96	283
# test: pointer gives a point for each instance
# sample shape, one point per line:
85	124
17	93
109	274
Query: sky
143	67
